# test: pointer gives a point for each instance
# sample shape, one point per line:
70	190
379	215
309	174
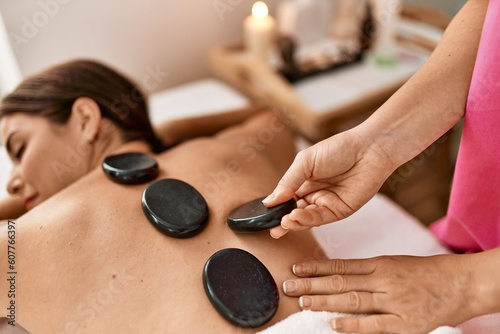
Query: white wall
10	75
136	36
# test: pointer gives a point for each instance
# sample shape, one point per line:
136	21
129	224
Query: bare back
88	260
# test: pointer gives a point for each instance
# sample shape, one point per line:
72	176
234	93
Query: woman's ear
86	116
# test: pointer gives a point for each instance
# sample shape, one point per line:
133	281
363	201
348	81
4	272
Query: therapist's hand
406	294
331	180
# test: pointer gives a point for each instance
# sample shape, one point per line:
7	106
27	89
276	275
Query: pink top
473	219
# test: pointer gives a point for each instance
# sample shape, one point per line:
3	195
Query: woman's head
51	94
52	119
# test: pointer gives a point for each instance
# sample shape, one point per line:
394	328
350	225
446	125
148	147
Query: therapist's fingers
278	231
334	284
350	302
385	323
286	226
289	222
335	267
302	218
311	216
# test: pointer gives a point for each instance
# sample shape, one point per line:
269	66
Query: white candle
259	32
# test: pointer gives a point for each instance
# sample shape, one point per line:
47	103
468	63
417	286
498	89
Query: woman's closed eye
19	153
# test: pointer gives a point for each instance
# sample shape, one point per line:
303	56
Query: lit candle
259	32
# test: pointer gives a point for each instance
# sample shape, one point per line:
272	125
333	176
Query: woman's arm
179	130
434	99
335	177
486	281
12	207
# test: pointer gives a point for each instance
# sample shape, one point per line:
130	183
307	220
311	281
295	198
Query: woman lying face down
91	262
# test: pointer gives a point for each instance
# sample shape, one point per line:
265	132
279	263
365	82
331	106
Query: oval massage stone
240	287
130	168
255	216
175	208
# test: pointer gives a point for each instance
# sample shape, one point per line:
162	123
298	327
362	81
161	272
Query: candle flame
259	10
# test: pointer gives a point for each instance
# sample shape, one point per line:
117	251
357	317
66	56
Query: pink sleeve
473	219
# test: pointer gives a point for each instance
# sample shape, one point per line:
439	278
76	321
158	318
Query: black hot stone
255	216
175	208
240	287
130	168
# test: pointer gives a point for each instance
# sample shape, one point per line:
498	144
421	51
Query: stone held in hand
254	216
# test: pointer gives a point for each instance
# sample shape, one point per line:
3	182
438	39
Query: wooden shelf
321	105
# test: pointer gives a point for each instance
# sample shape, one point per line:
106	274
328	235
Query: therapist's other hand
405	294
331	179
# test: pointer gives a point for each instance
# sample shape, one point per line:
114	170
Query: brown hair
51	94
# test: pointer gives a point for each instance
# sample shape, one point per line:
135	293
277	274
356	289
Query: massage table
380	227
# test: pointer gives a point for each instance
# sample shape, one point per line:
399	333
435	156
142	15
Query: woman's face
46	157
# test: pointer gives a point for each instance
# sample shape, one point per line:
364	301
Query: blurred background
133	35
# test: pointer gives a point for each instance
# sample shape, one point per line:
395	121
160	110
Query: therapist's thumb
278	196
294	177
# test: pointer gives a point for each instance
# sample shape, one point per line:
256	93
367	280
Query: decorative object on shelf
347	19
310	44
259	29
323	57
386	14
287	47
367	28
306	21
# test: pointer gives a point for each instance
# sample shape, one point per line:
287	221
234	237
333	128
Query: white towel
320	323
